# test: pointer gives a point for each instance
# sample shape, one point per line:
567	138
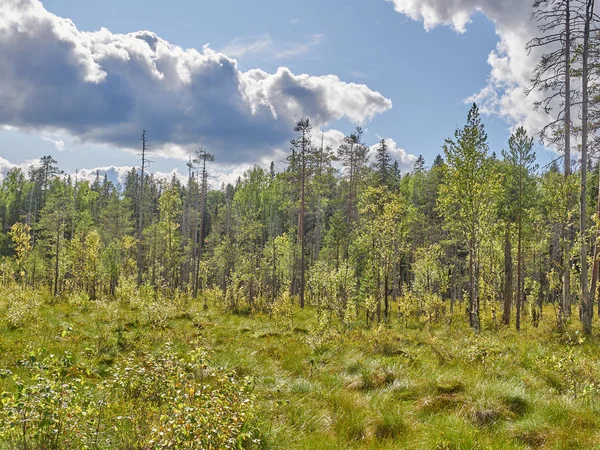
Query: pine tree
520	190
468	197
301	158
382	164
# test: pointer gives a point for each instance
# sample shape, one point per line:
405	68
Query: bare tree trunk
587	306
566	300
201	156
596	264
301	227
141	210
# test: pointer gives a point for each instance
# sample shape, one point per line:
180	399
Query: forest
337	303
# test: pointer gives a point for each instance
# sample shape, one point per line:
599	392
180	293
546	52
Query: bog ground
114	374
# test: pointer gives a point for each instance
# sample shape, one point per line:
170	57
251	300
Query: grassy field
417	386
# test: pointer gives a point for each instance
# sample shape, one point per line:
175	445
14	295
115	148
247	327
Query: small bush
157	314
126	291
50	408
78	299
283	311
22	308
158	401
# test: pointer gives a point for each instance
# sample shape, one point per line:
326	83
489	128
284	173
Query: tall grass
398	385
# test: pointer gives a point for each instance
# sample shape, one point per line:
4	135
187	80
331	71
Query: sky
80	79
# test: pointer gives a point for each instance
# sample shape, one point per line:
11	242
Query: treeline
342	229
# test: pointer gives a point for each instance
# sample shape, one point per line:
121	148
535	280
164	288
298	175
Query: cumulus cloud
405	160
6	165
329	138
116	174
511	64
105	87
59	144
219	174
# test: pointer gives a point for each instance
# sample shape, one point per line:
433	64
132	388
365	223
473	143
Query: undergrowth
121	374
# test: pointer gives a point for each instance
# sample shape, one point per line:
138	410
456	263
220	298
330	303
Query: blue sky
427	75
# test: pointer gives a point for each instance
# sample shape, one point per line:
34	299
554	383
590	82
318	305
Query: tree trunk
587	306
473	300
596	264
508	278
301	228
519	274
56	260
140	235
566	300
385	296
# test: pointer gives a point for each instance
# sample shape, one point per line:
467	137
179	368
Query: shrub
50	409
22	308
157	313
78	299
283	310
159	401
126	291
193	406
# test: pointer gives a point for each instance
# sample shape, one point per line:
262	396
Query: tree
302	152
202	156
91	270
587	303
468	197
21	236
170	208
419	165
53	224
382	164
520	193
380	236
12	196
354	156
141	208
552	77
48	169
321	192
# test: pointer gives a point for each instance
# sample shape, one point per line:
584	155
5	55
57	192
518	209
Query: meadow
76	373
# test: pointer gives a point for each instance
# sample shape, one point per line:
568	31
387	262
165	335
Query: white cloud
6	165
116	174
405	160
511	64
105	87
330	138
59	144
264	45
250	44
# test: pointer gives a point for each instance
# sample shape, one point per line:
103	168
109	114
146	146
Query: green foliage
283	310
351	240
21	307
469	197
415	383
157	401
430	274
